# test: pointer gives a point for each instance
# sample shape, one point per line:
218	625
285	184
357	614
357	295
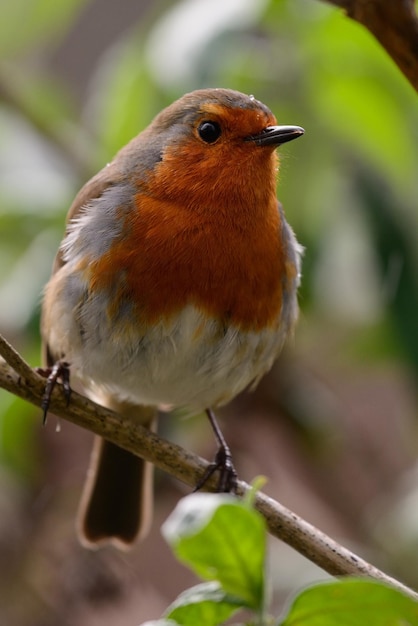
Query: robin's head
222	117
213	143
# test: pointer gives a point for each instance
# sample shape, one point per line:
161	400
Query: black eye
209	132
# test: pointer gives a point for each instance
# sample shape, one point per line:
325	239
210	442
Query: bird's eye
209	132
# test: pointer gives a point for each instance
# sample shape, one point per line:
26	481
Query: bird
175	285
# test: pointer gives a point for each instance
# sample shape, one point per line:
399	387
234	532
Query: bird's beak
276	135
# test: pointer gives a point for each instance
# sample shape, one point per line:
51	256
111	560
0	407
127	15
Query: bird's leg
60	369
222	461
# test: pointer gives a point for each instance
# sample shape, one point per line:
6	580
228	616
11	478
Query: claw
61	370
228	477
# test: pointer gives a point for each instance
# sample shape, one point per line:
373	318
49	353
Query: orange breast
170	256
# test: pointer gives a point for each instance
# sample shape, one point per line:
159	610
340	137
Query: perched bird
175	284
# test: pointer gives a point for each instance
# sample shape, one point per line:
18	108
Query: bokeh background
334	426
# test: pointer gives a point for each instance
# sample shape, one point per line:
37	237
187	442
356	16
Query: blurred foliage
26	24
349	187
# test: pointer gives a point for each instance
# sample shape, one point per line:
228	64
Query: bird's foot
228	477
60	370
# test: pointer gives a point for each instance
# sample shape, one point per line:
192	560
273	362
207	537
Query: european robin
175	284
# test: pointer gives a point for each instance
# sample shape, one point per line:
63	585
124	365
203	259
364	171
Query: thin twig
186	467
318	547
394	23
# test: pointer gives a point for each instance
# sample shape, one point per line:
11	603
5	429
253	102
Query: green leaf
256	485
352	602
206	604
221	538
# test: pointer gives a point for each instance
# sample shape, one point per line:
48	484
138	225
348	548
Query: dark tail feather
116	506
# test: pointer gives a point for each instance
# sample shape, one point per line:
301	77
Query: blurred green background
333	426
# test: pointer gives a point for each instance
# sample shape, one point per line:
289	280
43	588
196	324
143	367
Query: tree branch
19	379
394	23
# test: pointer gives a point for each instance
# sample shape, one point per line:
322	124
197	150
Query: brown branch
18	378
394	23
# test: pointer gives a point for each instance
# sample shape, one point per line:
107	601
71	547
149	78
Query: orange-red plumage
179	247
188	258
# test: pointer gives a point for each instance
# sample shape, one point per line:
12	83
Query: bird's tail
117	500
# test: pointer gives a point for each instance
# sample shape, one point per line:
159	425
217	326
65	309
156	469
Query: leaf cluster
224	542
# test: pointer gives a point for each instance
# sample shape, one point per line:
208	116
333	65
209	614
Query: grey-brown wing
93	189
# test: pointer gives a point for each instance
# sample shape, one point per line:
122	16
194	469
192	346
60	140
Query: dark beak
276	135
